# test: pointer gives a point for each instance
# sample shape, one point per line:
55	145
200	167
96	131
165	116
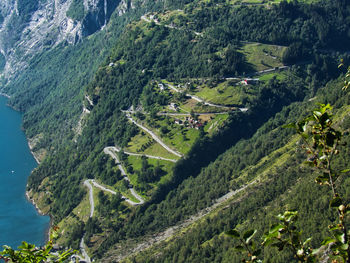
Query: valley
160	127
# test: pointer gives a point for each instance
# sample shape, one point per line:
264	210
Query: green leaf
233	233
344	247
239	248
301	126
290	215
336	202
267	241
317	250
276	228
248	235
327	241
317	114
340	237
307	241
334	227
345	171
290	125
257	252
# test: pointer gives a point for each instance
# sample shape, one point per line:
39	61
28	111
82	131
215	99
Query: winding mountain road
108	150
199	99
155	137
82	246
85	257
91	197
150	20
114	148
156	238
103	188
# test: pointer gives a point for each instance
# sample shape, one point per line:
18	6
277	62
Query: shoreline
31	200
38	210
34	204
31	151
5	95
27	193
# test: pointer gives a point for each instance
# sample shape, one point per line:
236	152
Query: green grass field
263	56
178	137
237	2
155	148
136	162
226	93
215	123
267	77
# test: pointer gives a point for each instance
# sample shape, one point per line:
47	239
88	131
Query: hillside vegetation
182	104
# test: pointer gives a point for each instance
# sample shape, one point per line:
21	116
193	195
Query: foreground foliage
29	253
321	142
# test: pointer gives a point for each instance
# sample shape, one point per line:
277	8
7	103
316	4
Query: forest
114	67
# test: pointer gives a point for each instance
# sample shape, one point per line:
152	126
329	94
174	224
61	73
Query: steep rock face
28	27
98	15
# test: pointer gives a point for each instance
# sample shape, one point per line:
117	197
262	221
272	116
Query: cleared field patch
264	2
226	93
263	56
136	163
217	121
176	136
142	143
267	77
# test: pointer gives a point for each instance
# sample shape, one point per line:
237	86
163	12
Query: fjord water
19	221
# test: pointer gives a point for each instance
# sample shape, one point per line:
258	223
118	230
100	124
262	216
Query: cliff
26	29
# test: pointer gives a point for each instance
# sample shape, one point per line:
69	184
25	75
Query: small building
179	122
198	125
161	86
246	82
173	106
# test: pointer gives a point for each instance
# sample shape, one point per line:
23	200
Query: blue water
19	221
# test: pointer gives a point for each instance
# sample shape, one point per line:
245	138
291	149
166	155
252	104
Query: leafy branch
321	143
246	244
29	253
347	76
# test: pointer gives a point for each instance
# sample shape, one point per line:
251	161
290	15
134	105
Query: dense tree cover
288	186
148	173
50	92
76	10
319	25
272	97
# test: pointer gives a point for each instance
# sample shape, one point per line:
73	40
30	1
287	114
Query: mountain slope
280	182
162	70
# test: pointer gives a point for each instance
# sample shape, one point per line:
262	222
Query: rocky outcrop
47	26
98	15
